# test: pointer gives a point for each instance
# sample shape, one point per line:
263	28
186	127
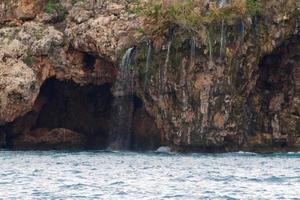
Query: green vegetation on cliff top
194	14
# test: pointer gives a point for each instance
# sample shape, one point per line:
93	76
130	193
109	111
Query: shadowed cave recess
69	116
275	102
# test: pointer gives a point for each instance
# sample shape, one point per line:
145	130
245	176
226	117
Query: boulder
43	138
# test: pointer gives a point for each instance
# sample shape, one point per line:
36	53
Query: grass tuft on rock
50	6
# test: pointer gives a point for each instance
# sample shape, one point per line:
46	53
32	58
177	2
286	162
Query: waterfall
193	51
168	53
204	109
122	105
296	27
184	83
254	25
148	60
221	3
242	31
126	72
222	39
126	59
184	75
185	103
123	83
164	69
210	48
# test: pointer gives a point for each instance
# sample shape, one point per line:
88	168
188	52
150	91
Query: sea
150	175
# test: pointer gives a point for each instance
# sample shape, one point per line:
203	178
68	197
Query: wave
246	153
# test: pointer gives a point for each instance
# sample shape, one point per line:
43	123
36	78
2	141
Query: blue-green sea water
127	175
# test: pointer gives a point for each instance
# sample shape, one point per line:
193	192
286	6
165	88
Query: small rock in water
164	149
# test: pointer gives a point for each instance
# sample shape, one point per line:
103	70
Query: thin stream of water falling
222	39
148	61
168	53
126	70
210	48
296	27
122	105
255	25
184	72
164	69
242	31
193	51
222	3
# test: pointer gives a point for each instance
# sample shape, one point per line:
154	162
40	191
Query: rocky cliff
201	75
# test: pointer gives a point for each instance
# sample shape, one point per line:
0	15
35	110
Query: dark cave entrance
83	109
69	116
65	115
274	104
89	61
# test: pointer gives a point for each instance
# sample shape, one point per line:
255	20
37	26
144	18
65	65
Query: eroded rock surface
19	88
50	139
232	86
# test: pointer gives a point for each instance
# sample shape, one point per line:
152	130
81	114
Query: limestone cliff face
229	85
222	83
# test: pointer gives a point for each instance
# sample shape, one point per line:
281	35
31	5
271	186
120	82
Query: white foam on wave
293	152
246	153
112	150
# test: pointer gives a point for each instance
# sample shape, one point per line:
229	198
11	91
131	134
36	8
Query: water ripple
150	176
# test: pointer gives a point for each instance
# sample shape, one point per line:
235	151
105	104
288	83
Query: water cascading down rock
221	3
148	62
122	106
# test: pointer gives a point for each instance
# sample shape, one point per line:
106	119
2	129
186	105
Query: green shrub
191	13
61	15
161	17
28	60
50	6
254	7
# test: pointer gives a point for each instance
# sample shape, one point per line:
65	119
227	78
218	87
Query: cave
275	102
69	116
89	61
